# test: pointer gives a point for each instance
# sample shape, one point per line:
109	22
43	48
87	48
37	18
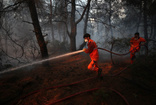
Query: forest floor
137	83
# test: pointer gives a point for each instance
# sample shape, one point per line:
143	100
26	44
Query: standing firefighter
93	53
135	42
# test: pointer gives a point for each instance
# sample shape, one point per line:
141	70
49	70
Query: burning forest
77	52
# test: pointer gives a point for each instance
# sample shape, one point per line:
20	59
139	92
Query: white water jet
41	61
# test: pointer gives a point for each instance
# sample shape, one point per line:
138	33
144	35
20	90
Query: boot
133	57
99	72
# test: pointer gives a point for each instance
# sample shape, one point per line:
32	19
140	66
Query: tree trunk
73	27
145	21
154	27
86	20
110	21
73	24
1	7
113	42
72	42
140	17
51	23
37	29
85	27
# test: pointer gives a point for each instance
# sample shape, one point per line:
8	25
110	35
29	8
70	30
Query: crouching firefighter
93	53
135	43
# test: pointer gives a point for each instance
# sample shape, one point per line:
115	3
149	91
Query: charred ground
136	83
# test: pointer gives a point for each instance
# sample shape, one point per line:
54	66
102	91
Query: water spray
63	55
41	61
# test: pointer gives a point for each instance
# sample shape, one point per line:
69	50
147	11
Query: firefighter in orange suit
93	53
135	43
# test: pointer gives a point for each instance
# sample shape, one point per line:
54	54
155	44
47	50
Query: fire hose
74	83
90	90
53	87
124	53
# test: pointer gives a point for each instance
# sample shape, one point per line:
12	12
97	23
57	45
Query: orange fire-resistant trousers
93	53
133	51
93	66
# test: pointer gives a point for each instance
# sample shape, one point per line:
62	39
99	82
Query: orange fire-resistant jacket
92	50
136	43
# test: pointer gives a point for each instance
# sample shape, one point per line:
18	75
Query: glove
84	49
132	45
142	43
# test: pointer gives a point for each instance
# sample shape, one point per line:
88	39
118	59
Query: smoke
41	61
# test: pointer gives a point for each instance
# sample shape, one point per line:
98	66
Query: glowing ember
63	55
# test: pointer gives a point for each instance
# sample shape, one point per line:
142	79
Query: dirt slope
17	84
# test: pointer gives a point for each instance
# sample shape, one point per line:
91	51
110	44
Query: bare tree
73	24
109	18
1	7
145	20
35	21
37	28
51	22
85	26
